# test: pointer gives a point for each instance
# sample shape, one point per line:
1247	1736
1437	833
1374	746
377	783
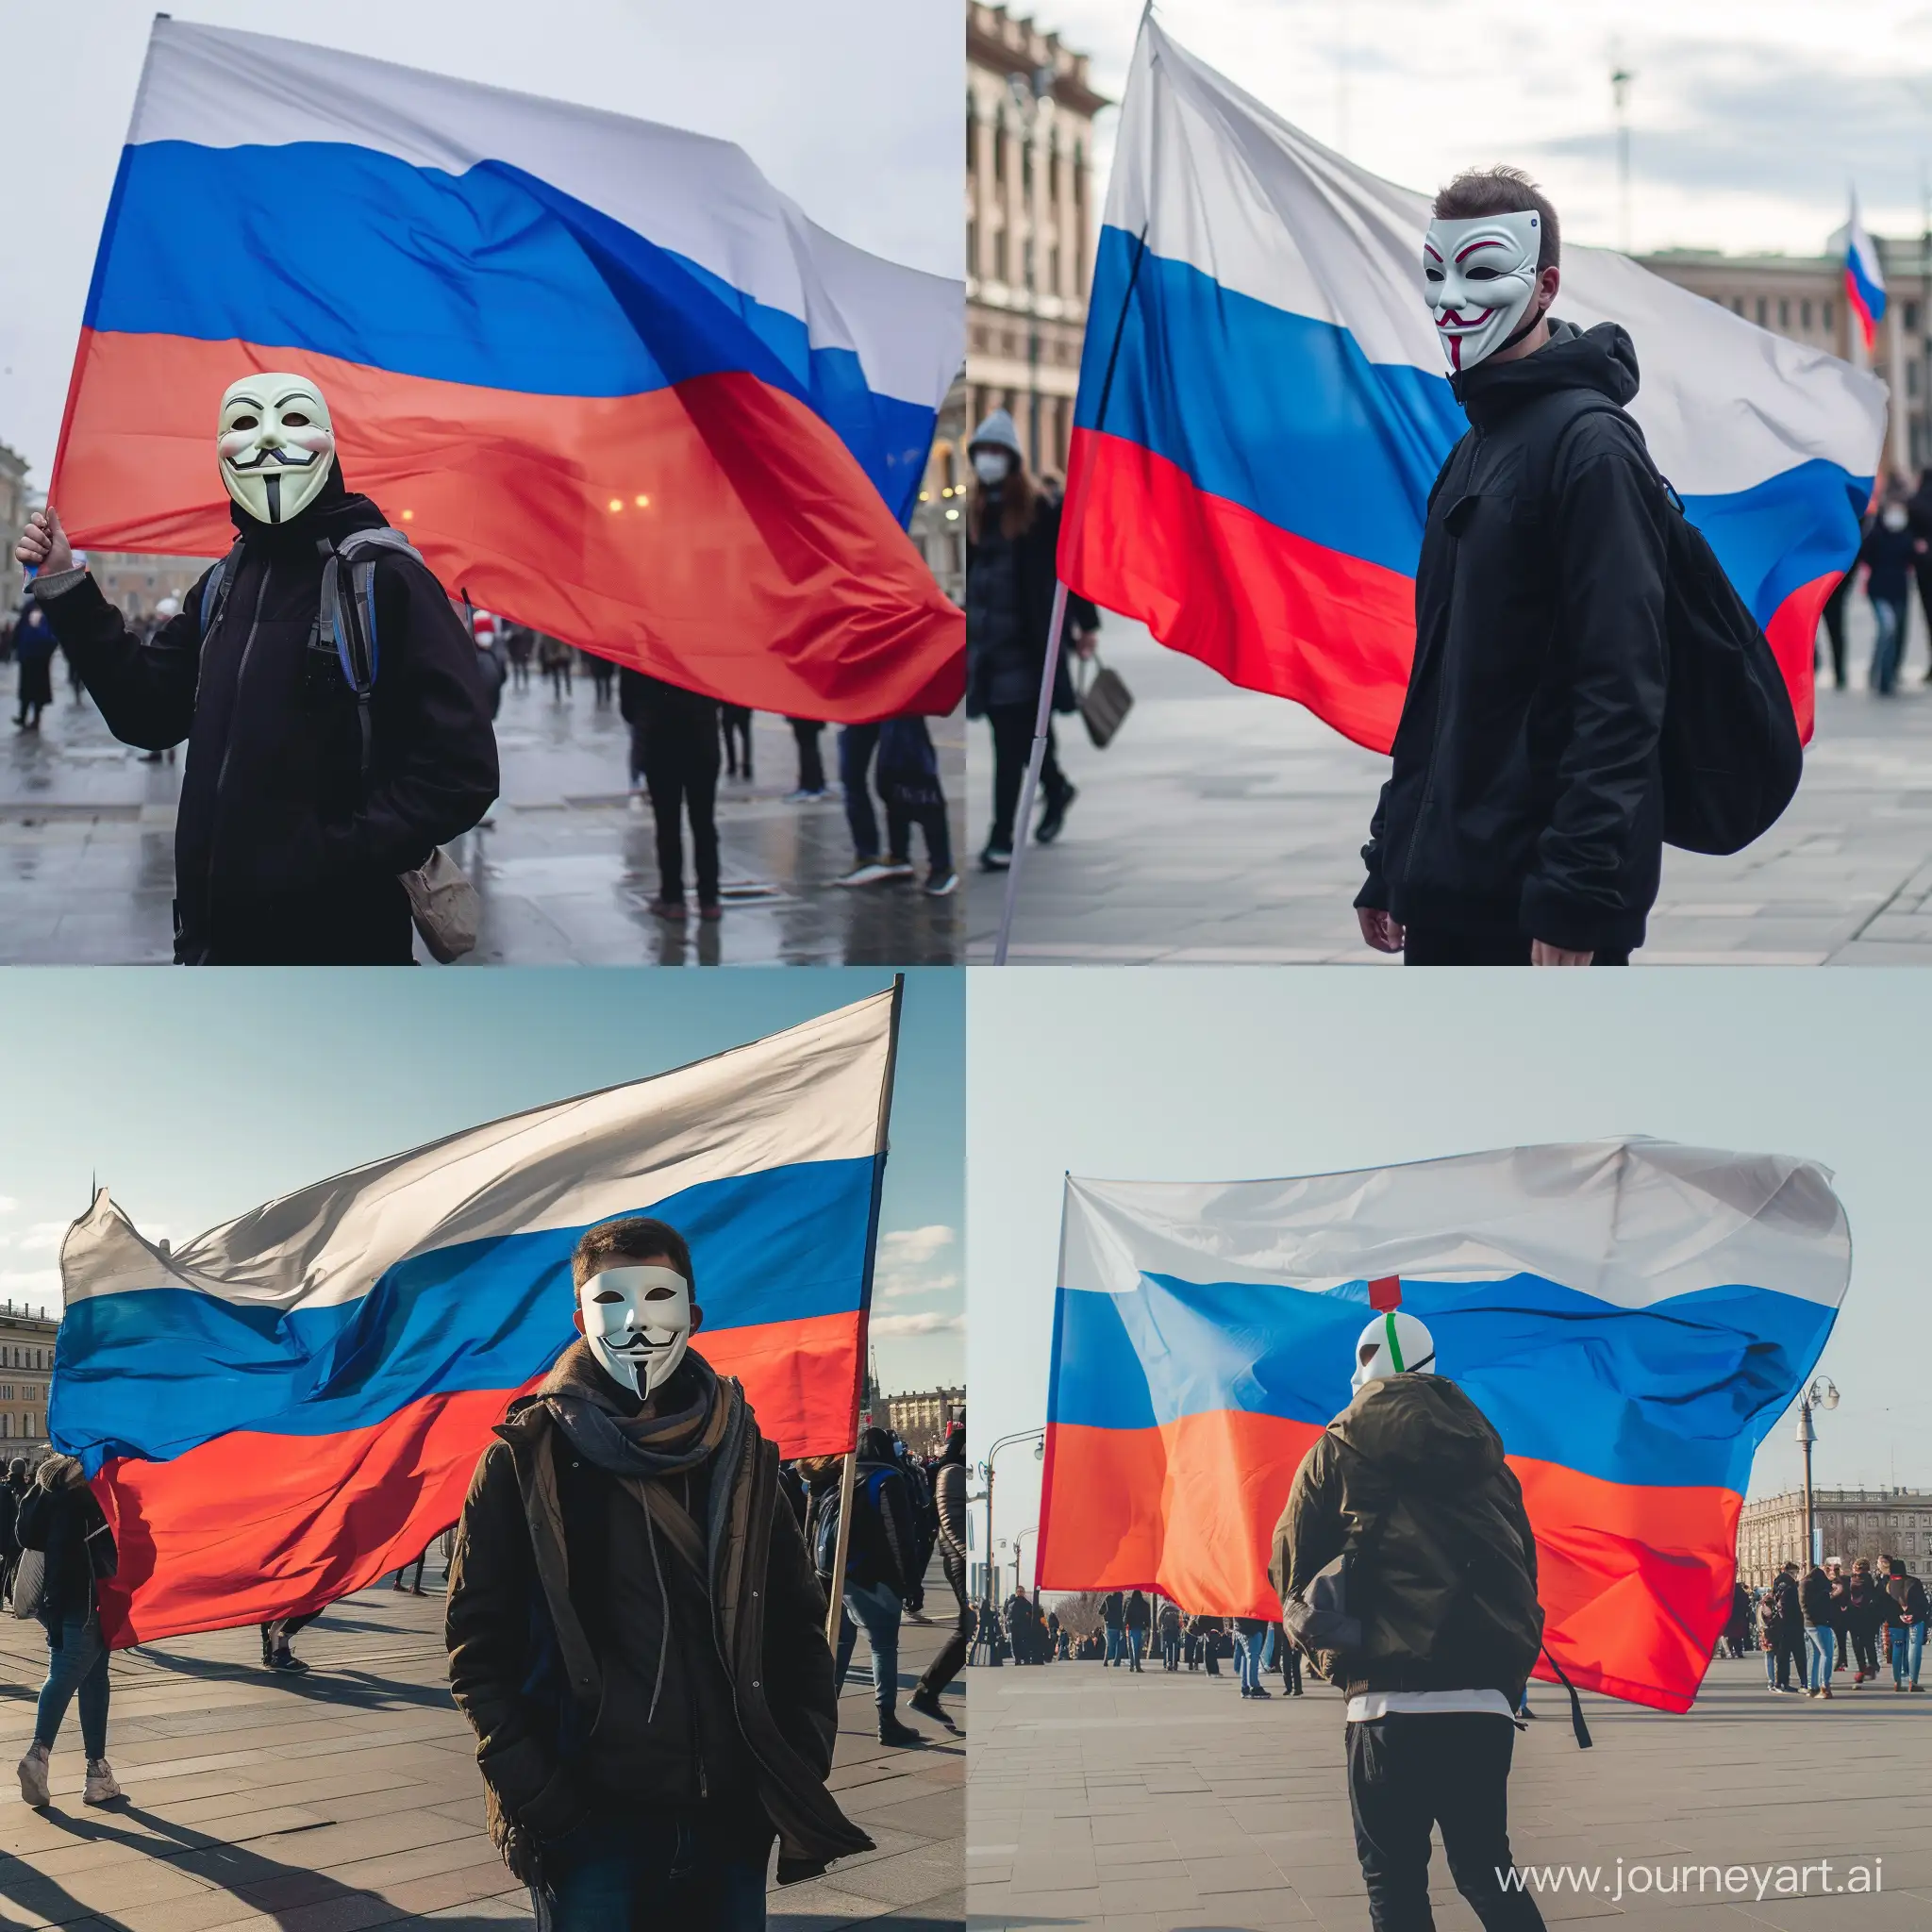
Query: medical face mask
276	445
638	1323
991	466
1893	516
1479	277
1392	1344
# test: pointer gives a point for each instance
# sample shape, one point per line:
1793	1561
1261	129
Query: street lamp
1029	91
1037	1436
1032	1529
1822	1394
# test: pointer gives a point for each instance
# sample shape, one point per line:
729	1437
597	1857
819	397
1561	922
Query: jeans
80	1664
1818	1657
1170	1653
1137	1647
1888	646
856	743
1116	1646
875	1606
608	1877
1451	1769
1012	745
1908	1648
1248	1655
931	820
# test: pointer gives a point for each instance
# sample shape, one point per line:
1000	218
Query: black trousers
1835	627
736	722
1791	1655
1438	946
1012	745
812	760
946	1666
681	775
1865	1648
1451	1769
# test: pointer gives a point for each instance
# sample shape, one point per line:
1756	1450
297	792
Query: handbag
445	905
30	1583
1103	700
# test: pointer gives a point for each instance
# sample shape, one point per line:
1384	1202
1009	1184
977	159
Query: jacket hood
1602	358
1423	1431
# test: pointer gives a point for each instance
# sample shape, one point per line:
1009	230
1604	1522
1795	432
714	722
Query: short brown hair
631	1240
1479	191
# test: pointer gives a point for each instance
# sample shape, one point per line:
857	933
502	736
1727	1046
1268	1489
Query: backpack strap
214	590
346	622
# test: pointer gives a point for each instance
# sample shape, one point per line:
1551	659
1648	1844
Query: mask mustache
283	457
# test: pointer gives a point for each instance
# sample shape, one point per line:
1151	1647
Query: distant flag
1632	1316
1864	278
1263	409
606	377
278	1411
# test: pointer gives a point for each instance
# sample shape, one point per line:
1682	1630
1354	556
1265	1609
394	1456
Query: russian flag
1631	1315
278	1411
1864	278
605	376
1263	409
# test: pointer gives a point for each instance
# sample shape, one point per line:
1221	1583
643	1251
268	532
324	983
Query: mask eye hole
245	422
660	1294
295	419
1481	275
1365	1355
609	1295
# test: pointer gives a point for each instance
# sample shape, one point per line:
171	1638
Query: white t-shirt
1365	1706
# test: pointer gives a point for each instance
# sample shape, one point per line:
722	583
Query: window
31	1430
1911	317
1827	313
1805	311
1764	311
1784	312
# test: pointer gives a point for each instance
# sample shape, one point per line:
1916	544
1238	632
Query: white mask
1392	1344
1479	280
638	1323
275	445
991	466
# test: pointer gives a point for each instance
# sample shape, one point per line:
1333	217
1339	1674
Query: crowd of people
1827	1621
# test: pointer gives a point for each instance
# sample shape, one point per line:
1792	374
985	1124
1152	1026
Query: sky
1750	119
1228	1073
195	1096
850	109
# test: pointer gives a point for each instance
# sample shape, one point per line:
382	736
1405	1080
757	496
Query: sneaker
1918	1686
1826	1691
288	1661
713	912
667	908
996	858
803	797
1055	816
926	1703
916	1617
102	1787
892	1732
942	885
1261	1690
865	872
33	1777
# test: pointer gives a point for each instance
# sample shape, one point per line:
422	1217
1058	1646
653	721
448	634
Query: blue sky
1217	1073
197	1095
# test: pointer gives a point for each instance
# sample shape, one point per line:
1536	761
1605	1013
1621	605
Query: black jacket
281	858
1111	1609
882	1544
1814	1598
67	1523
1009	587
1526	794
1139	1613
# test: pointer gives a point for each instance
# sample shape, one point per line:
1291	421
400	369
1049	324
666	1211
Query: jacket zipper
228	749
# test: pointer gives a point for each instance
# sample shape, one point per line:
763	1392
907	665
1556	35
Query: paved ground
1140	1804
1222	827
350	1798
565	866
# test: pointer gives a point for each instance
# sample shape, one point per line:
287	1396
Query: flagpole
881	1148
1043	716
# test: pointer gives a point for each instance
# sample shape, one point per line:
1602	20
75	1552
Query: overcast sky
1750	119
851	110
1227	1074
195	1096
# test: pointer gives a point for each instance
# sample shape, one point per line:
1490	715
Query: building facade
938	526
1802	296
919	1420
14	509
1854	1523
1029	227
26	1367
135	585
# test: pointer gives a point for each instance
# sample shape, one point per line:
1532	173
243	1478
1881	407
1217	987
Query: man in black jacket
1522	821
634	1628
287	849
878	1560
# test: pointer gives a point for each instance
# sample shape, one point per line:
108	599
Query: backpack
824	1539
1729	751
444	904
909	768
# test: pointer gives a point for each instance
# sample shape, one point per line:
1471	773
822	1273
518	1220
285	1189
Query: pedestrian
1446	1586
1919	512
1170	1628
949	1503
1137	1618
673	735
554	659
1841	1615
1814	1599
1768	1637
1289	1656
60	1517
1522	822
1012	541
811	763
634	1630
603	673
1250	1643
1112	1617
1788	1627
908	783
1865	1611
878	1555
33	651
1906	1614
9	1539
1889	553
520	642
416	1587
307	791
1834	614
734	720
1737	1631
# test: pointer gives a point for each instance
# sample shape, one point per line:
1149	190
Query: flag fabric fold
1632	1315
606	377
1276	411
278	1411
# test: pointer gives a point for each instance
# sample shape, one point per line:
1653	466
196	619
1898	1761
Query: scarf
586	1406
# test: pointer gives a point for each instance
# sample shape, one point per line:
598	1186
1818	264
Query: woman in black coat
1012	540
60	1517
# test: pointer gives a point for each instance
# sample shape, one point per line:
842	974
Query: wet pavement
1222	827
565	864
